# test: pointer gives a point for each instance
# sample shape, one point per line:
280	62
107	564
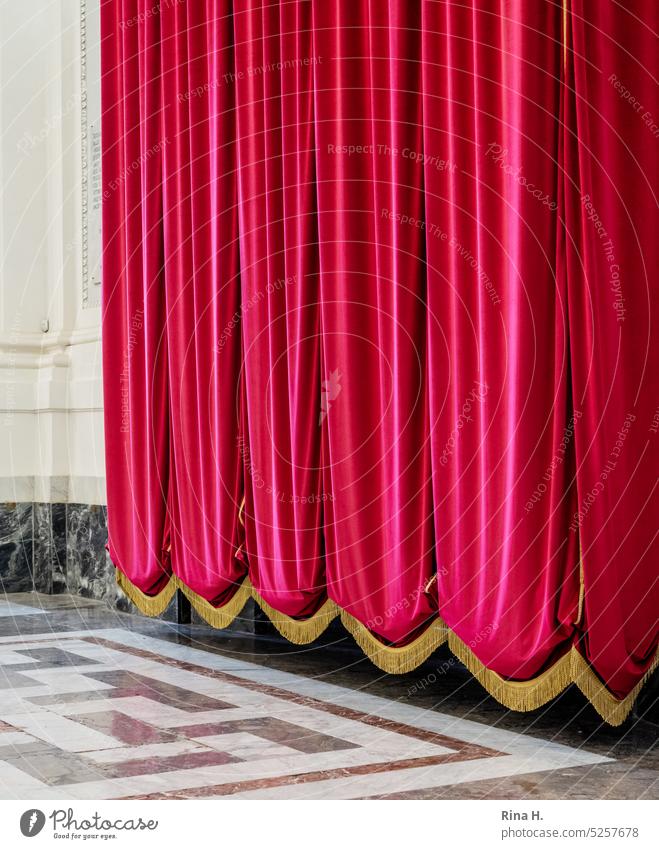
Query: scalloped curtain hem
572	668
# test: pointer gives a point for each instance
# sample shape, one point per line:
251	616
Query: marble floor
96	704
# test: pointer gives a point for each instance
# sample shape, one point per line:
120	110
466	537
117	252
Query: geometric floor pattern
114	714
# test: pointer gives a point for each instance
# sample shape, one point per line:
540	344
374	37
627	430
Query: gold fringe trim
572	668
152	605
218	617
612	710
516	695
392	659
299	631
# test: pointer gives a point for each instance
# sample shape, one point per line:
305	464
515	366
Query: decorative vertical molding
90	288
83	149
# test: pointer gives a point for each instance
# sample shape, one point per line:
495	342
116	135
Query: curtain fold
502	447
281	449
612	175
135	351
379	543
202	293
392	268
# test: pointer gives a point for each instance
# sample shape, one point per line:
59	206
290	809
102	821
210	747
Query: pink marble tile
124	728
276	730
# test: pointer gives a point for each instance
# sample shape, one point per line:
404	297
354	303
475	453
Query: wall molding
84	163
44	410
53	489
44	343
90	170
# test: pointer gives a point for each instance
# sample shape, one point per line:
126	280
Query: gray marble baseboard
49	552
60	548
16	547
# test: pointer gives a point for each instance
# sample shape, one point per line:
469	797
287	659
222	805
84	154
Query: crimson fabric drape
281	449
612	177
388	367
499	385
372	288
202	292
136	381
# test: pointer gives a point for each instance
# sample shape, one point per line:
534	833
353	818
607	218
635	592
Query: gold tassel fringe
392	659
218	617
151	605
612	710
516	695
299	631
572	668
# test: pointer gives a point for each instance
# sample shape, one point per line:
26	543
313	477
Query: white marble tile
169	720
16	784
224	774
353	731
10	657
247	746
16	489
261	758
135	706
15	738
150	750
148	710
60	731
400	781
33	640
58	680
462	729
395	781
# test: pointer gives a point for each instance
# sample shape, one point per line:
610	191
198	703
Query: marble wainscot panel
89	570
41	548
58	547
16	534
50	548
58	559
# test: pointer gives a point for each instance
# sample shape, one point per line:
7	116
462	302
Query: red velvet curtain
612	176
498	361
135	350
281	442
385	365
203	297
